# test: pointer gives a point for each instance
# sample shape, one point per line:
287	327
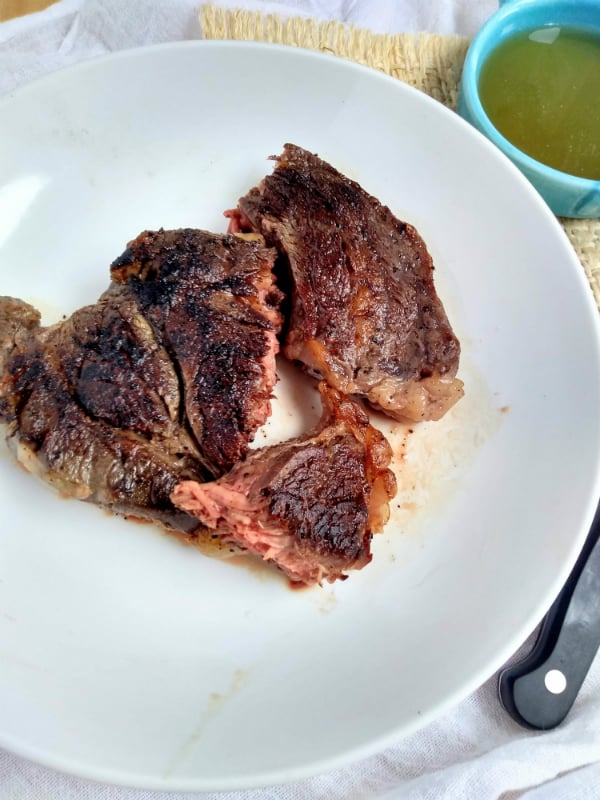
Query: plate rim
131	779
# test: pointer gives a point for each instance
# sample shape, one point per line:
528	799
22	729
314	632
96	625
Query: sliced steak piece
166	377
310	504
365	314
212	303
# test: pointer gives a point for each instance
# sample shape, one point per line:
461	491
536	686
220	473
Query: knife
538	691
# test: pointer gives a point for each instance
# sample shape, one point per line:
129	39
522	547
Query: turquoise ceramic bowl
567	195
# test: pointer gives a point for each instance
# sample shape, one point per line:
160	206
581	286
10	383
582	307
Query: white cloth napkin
475	752
73	30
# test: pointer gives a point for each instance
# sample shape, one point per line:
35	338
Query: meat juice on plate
429	458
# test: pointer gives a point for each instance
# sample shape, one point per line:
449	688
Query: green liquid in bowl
541	90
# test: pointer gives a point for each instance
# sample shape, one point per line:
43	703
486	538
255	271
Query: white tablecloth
475	752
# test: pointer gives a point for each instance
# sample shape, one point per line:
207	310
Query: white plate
128	658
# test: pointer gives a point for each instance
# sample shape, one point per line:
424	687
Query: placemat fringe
431	63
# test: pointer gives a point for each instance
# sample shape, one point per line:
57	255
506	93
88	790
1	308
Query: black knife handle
538	692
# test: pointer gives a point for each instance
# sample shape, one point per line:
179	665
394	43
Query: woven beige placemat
431	63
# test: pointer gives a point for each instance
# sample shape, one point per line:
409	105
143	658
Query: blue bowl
567	195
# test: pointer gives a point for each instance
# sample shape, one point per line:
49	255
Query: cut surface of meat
310	504
365	315
167	376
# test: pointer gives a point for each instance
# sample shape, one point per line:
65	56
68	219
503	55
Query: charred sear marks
165	378
365	315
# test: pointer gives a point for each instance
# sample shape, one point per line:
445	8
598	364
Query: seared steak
364	311
166	377
310	504
213	304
